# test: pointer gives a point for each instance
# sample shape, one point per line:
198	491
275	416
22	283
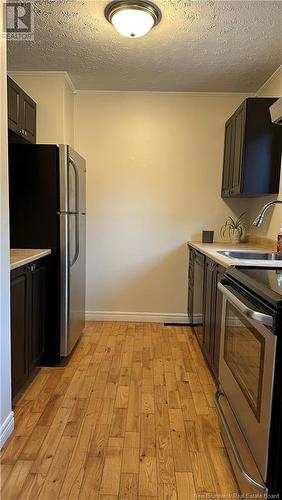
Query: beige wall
154	165
273	218
54	100
68	116
6	414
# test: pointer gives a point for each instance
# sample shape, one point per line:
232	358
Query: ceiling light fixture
133	18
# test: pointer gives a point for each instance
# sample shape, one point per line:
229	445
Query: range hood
276	111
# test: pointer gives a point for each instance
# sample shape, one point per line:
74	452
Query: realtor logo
19	19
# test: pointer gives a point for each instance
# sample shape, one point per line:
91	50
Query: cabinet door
14	106
20	290
38	314
217	320
190	284
28	118
209	308
238	145
228	157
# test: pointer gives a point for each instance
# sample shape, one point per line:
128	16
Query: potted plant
235	227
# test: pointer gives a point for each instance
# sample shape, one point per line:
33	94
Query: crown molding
64	74
159	92
269	80
68	79
75	91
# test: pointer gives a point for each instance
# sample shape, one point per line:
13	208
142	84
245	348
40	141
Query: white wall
154	166
273	219
54	100
6	414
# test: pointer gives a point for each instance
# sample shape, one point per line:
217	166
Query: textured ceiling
221	46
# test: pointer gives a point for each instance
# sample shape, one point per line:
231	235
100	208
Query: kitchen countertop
211	249
22	256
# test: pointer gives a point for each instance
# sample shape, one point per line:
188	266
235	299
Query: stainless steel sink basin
241	254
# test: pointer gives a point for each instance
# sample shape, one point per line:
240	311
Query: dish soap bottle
279	241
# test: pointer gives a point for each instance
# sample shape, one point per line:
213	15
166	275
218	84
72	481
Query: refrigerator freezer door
72	181
77	184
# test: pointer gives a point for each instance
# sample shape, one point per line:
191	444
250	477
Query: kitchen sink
241	254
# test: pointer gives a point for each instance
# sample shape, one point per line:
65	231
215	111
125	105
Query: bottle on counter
279	241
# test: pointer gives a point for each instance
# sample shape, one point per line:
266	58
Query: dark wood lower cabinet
217	319
212	314
38	314
20	293
209	339
28	315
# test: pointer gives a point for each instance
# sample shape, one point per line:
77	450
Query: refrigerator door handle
76	173
77	235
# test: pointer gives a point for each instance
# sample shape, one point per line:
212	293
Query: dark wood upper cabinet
237	150
29	118
228	157
252	151
14	108
21	113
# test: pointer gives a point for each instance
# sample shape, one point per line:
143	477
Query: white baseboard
136	316
6	429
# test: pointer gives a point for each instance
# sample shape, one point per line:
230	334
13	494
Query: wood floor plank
202	473
185	486
58	469
92	478
165	462
32	487
111	473
48	449
5	471
128	487
131	417
130	460
148	435
34	443
122	397
181	456
16	479
148	485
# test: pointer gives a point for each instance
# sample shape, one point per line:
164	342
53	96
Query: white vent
276	111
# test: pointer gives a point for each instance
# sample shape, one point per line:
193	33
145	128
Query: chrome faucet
258	220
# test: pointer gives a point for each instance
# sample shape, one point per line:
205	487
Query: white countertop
211	250
22	256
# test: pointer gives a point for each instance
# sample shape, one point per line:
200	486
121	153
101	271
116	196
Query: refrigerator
47	210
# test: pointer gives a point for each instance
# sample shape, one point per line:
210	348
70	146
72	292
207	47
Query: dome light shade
133	19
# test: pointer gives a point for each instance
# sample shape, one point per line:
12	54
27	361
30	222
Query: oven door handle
258	486
265	319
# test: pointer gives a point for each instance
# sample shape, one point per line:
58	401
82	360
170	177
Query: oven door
247	355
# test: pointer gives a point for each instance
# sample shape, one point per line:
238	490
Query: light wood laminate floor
130	417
